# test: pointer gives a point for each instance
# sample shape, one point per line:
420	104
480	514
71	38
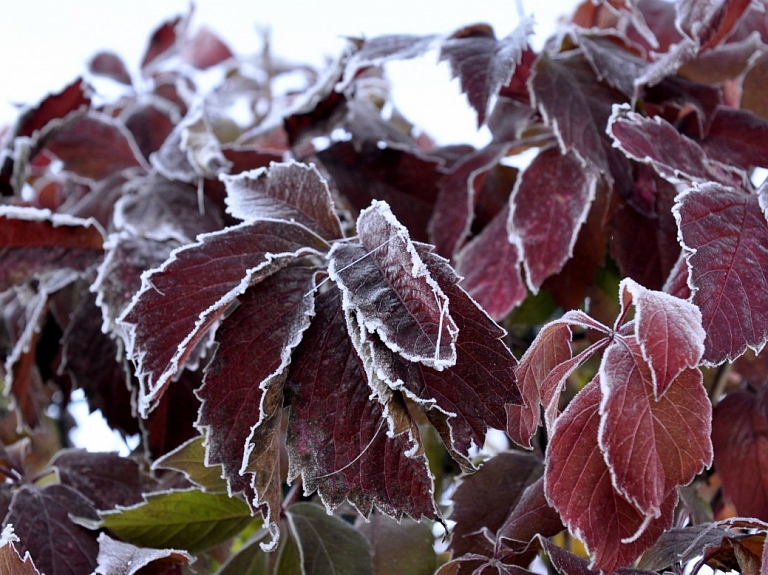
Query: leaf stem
293	494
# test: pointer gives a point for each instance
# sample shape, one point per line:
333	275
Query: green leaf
189	459
192	520
327	545
405	548
251	559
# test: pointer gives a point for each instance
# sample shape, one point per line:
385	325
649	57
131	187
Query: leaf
109	65
150	123
163	42
578	484
404	547
668	330
737	435
250	559
36	242
490	266
189	459
11	562
681	545
613	63
709	22
71	98
172	312
724	235
753	85
253	350
567	563
284	191
124	558
651	445
389	288
531	515
737	138
549	204
484	64
191	520
338	437
106	479
327	544
41	519
205	49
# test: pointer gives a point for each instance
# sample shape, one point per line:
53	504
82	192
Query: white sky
45	44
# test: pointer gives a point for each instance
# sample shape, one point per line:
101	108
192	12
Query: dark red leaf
738	434
34	243
531	516
683	95
389	289
150	123
578	484
110	65
106	479
710	21
73	97
548	206
338	438
737	138
651	446
11	562
725	238
205	49
484	64
567	563
722	62
490	266
284	191
613	63
118	557
41	519
173	311
164	41
253	349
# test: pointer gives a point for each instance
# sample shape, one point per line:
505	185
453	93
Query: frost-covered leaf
254	346
150	122
613	63
531	515
406	547
288	191
36	242
205	49
328	545
651	445
568	563
71	98
180	301
578	484
391	291
753	86
109	65
189	459
490	266
191	520
710	21
338	437
11	562
41	519
737	138
549	204
126	559
163	42
725	240
482	63
668	331
738	437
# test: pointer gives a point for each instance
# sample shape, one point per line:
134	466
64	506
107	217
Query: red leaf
739	435
150	124
709	22
490	266
180	301
725	238
253	349
484	64
550	202
613	63
738	138
531	516
164	41
651	446
110	65
668	331
41	519
578	484
11	562
391	291
284	191
338	438
73	97
205	49
35	243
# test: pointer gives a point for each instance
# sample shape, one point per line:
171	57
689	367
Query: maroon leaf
106	479
110	65
173	312
738	436
11	562
118	557
725	239
287	191
578	484
484	64
150	123
163	42
254	347
531	516
651	446
94	145
34	243
737	138
73	97
338	438
668	331
550	202
391	291
490	266
41	519
205	50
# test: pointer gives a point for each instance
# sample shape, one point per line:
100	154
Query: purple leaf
725	240
180	301
389	288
